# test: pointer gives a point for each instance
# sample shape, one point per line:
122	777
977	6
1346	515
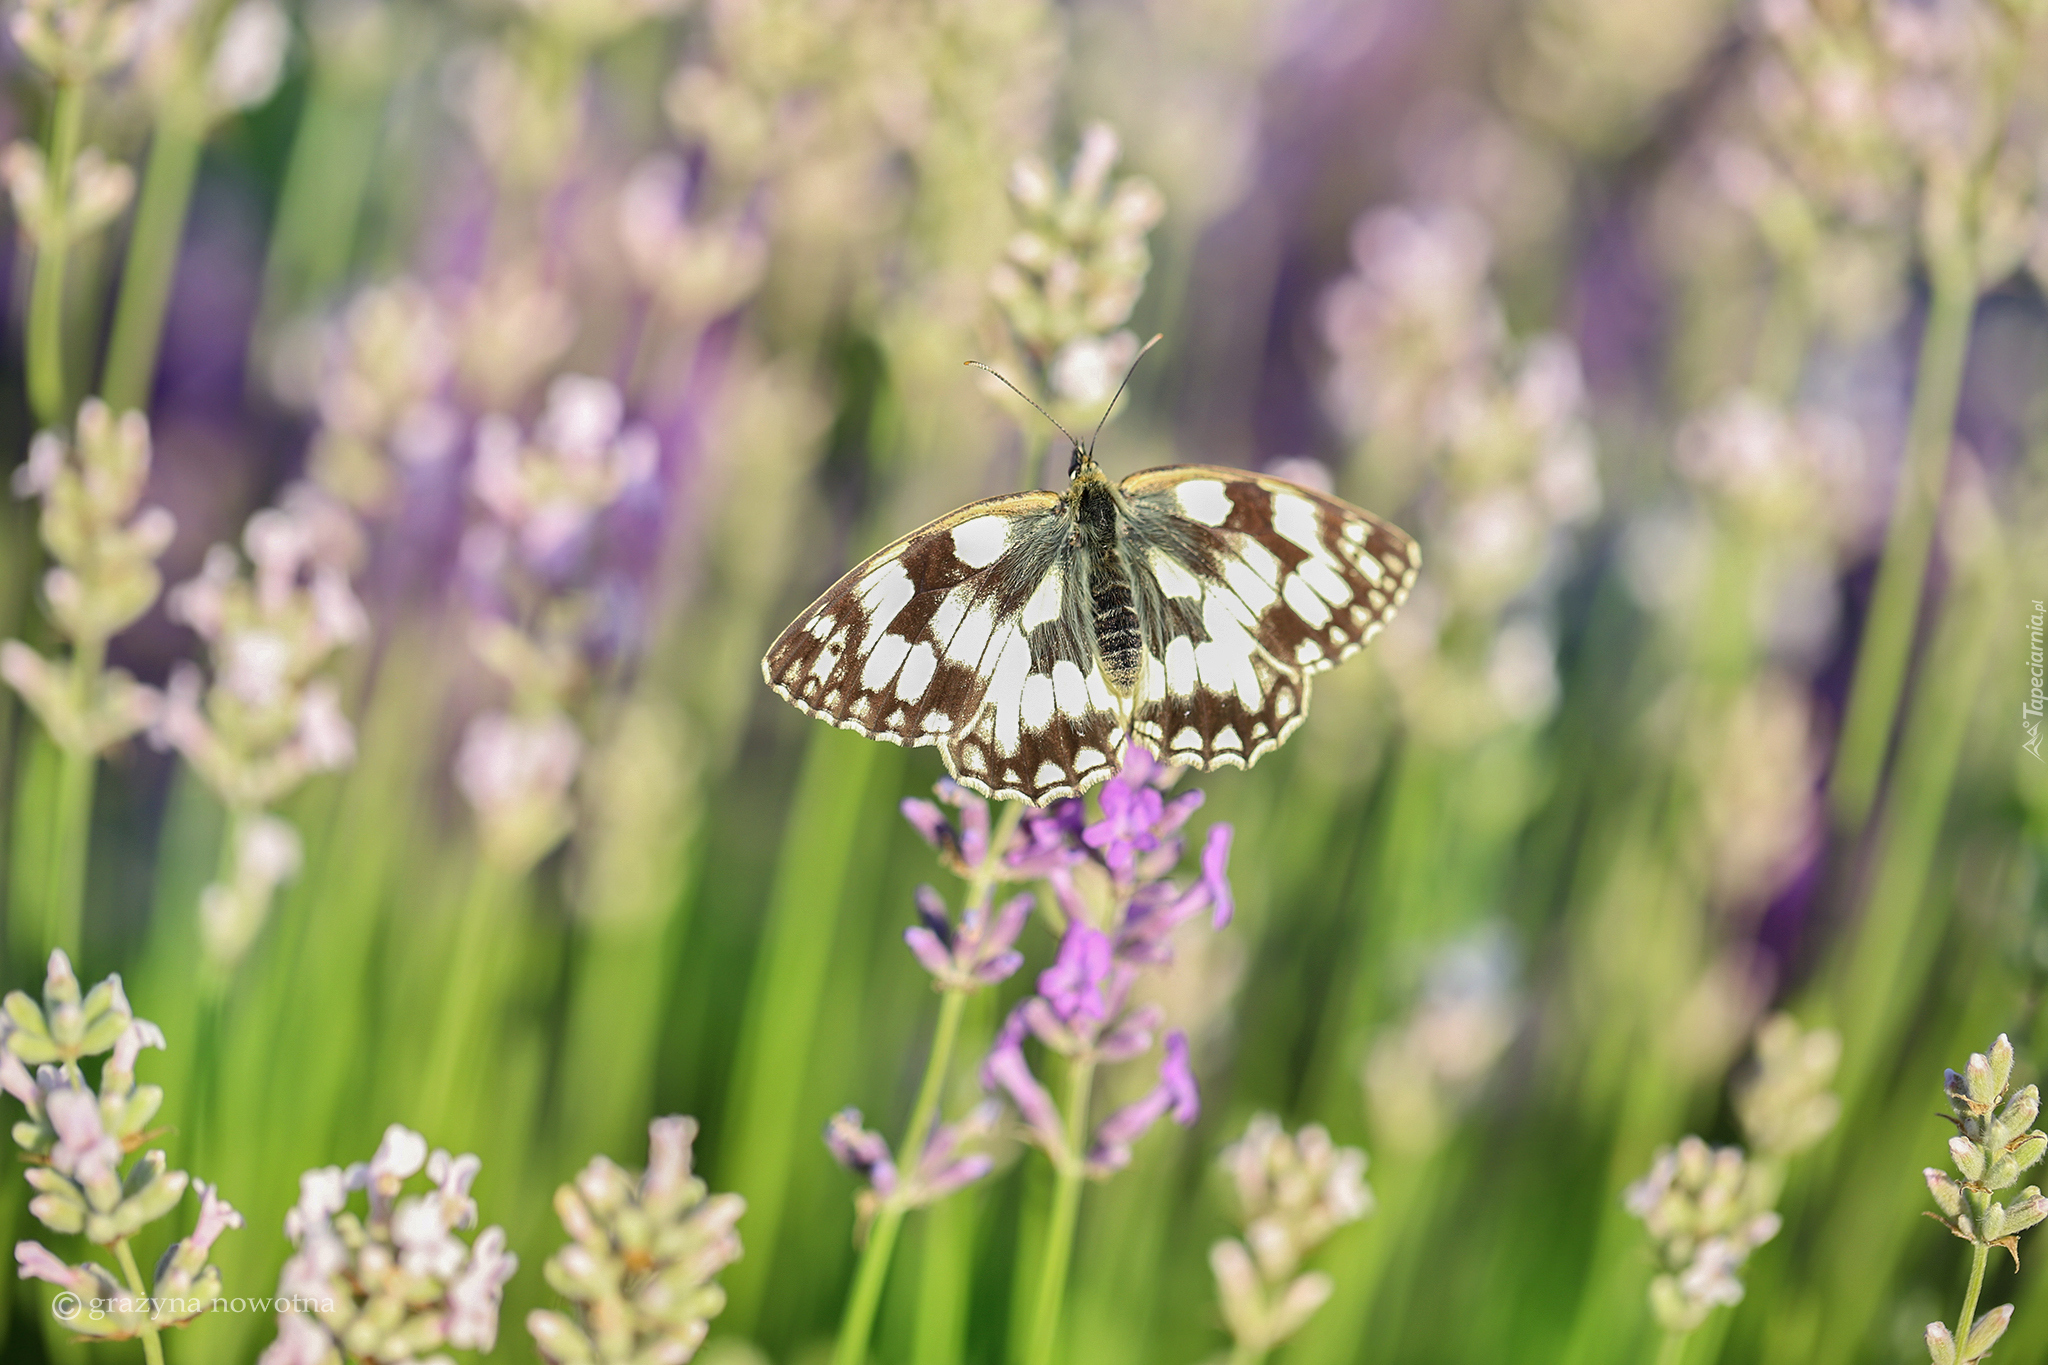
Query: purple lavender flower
1048	840
862	1151
978	951
1081	1008
1175	1095
953	1157
1006	1072
1216	875
1079	984
962	846
1129	812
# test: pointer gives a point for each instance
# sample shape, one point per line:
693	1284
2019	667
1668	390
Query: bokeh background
611	331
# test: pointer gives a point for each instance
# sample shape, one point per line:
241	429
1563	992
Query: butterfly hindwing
1248	585
969	633
1048	725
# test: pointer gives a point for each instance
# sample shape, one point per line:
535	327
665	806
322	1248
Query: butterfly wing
1247	585
972	634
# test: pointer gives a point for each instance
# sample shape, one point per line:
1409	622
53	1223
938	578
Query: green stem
321	206
1895	604
818	870
926	1110
866	1296
46	298
152	261
152	1348
1243	1353
465	1008
1066	1208
1979	1254
71	842
945	1269
1884	966
1673	1349
857	1326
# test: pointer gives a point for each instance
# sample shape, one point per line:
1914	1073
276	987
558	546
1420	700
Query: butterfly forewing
972	634
1248	585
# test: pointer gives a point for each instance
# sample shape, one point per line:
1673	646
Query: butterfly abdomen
1118	643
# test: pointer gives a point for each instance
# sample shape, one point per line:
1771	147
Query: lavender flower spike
976	953
640	1269
1048	840
951	1160
862	1151
1175	1094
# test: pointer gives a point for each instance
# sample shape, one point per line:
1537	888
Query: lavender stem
152	262
1066	1208
46	305
64	891
857	1326
152	1347
1901	575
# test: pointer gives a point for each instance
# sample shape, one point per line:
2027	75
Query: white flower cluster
1490	434
1293	1192
396	1285
105	545
546	490
641	1270
78	1138
1706	1209
1073	270
269	720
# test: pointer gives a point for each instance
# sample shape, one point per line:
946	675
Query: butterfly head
1083	461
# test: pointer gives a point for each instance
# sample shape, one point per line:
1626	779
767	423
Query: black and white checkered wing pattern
1248	585
971	634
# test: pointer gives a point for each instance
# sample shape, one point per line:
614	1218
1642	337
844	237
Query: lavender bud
2001	1059
861	1151
2030	1209
1979	1083
1968	1157
1948	1196
1984	1334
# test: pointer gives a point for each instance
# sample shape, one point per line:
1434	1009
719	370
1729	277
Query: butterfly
1030	636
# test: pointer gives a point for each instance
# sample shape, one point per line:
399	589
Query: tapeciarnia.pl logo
2030	709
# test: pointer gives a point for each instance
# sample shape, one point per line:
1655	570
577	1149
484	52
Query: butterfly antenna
1126	384
1032	401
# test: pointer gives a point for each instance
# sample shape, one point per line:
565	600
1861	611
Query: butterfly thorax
1119	643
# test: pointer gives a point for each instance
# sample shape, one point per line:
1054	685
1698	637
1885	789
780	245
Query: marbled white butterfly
1028	636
